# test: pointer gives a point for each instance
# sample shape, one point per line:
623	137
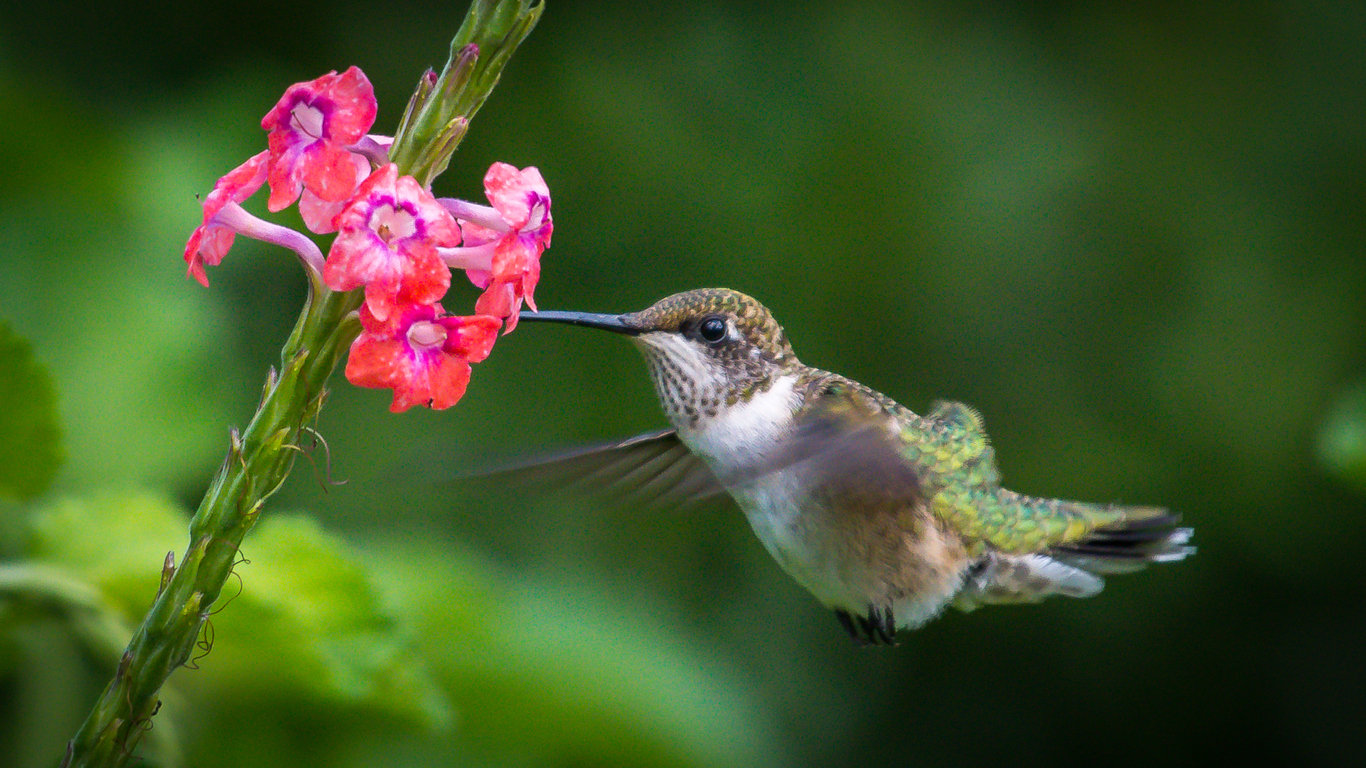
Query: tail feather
1147	535
1143	535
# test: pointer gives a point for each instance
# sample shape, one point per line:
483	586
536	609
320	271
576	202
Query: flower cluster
393	238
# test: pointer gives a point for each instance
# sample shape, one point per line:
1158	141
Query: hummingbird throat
732	418
696	386
691	385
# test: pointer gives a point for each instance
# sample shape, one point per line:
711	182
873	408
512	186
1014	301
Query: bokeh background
1131	236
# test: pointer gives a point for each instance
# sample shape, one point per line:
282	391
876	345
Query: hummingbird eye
712	329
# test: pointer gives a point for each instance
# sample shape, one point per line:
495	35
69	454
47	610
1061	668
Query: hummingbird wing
652	469
846	447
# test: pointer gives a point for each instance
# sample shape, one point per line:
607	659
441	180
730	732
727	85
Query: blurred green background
1132	237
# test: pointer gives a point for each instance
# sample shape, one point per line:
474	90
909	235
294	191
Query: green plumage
955	466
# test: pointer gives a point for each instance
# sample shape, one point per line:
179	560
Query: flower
210	242
518	229
318	213
310	128
387	238
421	353
511	278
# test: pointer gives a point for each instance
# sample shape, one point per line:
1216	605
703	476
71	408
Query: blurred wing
847	448
654	469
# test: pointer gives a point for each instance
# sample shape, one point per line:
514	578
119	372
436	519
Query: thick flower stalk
374	300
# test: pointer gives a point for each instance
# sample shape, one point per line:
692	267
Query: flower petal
318	213
386	241
472	337
514	192
210	242
329	172
445	383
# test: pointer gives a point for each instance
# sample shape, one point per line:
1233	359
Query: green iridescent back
956	468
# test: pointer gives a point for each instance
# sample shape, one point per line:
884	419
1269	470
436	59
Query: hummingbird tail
1146	535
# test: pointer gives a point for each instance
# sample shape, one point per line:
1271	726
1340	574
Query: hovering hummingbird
885	516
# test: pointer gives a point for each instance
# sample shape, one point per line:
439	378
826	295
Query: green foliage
88	571
116	542
307	622
401	642
558	674
1342	439
310	627
30	438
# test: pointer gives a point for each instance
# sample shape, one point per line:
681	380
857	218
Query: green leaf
117	542
92	570
306	625
30	437
310	623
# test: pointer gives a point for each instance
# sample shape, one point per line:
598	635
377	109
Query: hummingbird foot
877	627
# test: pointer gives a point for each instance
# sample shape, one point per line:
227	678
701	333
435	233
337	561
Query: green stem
436	120
258	461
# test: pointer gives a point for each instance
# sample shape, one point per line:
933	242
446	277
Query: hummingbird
887	517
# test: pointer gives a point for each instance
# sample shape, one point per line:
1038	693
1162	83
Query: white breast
748	433
740	449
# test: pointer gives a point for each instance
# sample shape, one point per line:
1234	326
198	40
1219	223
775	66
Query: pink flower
522	198
511	277
310	129
387	239
210	242
421	353
318	213
518	227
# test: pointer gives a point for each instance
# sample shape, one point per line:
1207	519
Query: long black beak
613	323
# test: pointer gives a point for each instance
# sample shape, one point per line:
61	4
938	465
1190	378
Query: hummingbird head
707	349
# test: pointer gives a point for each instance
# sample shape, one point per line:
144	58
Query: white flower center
536	215
392	223
425	334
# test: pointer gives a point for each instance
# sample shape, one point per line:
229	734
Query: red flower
386	241
421	353
518	227
310	130
393	238
210	242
